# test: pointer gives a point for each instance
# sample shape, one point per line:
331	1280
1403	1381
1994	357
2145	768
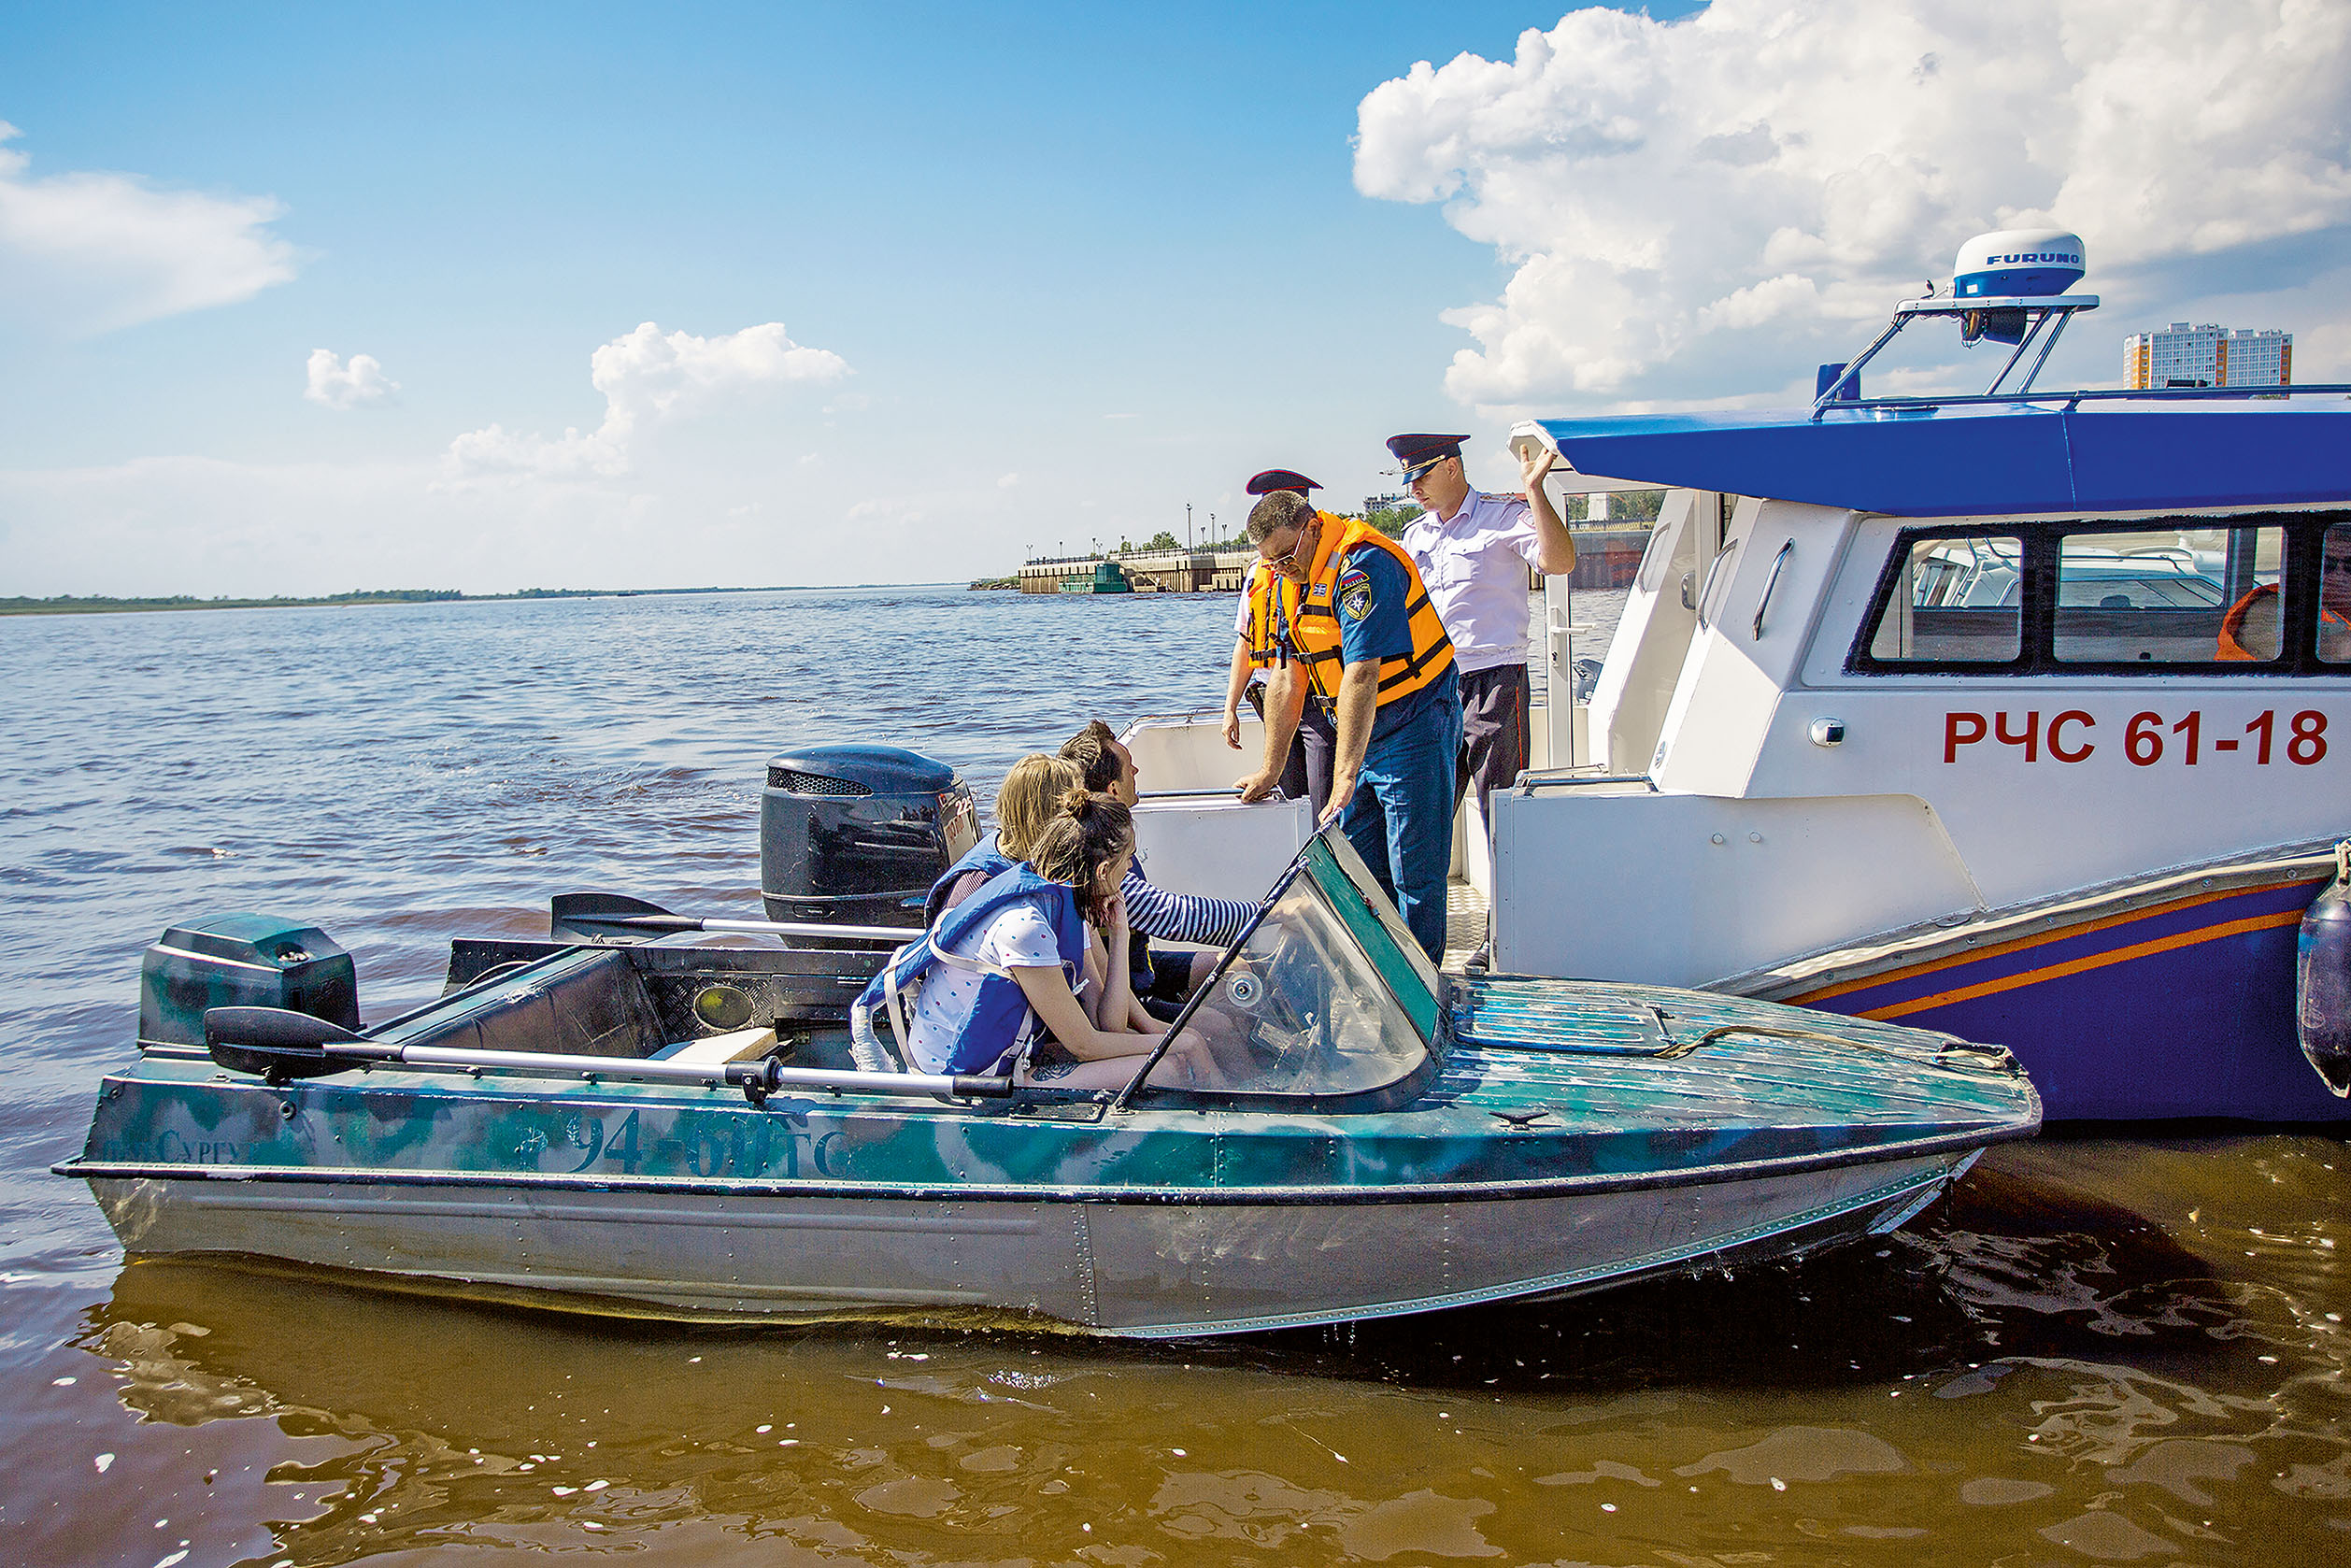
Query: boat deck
1464	924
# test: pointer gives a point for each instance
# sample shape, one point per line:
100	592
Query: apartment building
2181	355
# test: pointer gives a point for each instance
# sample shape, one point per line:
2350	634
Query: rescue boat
2021	715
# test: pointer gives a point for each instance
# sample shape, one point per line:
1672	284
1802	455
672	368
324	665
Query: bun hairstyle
1027	799
1090	750
1089	832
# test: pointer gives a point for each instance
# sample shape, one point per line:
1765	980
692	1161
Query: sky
302	299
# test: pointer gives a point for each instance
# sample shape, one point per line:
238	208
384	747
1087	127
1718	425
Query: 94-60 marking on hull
2147	737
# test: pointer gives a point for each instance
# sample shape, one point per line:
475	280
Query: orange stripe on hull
2082	965
2018	943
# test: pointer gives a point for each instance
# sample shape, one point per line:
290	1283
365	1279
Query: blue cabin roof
1962	458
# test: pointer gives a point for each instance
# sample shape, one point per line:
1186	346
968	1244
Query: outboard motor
856	835
2322	979
242	961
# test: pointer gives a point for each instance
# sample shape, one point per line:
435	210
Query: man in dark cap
1473	551
1308	773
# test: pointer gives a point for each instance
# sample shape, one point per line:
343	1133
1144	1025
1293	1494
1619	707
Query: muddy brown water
2097	1350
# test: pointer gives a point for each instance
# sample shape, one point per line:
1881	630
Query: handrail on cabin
2092	395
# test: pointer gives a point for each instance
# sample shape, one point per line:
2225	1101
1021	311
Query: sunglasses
1287	562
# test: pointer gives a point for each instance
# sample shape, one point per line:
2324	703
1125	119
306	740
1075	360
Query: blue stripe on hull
2202	1030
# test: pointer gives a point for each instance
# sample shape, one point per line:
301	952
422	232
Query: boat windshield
1330	996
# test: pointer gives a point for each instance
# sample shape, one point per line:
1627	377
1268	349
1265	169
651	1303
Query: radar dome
2027	263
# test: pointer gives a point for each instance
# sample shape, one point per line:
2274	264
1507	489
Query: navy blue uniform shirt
1369	600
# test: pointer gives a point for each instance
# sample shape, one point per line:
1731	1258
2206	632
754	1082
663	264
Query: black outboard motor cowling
855	834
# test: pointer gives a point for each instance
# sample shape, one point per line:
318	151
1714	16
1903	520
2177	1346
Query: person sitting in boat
1161	981
1001	975
2252	630
1026	801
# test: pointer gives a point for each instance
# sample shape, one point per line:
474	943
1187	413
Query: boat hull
1137	1267
2182	1008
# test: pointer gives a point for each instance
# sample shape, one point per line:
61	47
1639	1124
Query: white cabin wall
2030	828
1645	662
1613	881
1729	696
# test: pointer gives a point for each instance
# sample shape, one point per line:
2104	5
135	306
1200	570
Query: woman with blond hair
1026	801
1005	968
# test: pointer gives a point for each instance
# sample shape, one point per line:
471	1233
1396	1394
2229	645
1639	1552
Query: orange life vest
2233	624
1310	611
1263	652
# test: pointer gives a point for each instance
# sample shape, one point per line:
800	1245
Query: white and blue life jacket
1000	1015
984	856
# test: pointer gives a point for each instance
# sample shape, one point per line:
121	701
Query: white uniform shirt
1476	569
1018	937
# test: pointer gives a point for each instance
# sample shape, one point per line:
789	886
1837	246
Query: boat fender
2322	980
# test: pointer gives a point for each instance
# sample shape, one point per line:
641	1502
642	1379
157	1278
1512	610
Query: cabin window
2183	597
2257	593
1954	600
2334	596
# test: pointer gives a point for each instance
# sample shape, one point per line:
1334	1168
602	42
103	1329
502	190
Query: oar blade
274	1042
591	917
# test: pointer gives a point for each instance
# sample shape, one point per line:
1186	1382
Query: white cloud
90	252
1688	207
646	378
1007	481
361	384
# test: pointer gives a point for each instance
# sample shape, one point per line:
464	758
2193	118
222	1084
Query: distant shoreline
79	604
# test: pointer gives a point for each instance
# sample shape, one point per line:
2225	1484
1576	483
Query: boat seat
717	1051
588	1004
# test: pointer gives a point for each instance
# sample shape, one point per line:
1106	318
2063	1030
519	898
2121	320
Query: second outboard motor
2322	979
857	834
242	961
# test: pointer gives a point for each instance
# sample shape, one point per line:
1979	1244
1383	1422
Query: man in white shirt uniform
1473	551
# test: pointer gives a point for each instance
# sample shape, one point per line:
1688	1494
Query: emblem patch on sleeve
1355	592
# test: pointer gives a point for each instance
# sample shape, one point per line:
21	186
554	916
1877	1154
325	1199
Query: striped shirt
1212	922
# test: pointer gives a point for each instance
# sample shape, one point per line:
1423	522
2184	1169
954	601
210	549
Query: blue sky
1057	270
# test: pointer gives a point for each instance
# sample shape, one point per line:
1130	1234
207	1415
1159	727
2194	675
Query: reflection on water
2063	1374
2098	1352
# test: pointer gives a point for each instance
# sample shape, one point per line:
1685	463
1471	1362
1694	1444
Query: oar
583	914
277	1044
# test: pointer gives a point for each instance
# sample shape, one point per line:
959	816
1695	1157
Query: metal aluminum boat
677	1127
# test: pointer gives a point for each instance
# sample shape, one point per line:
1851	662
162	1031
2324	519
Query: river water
2096	1351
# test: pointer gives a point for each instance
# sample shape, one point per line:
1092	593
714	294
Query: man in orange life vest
1358	638
2254	629
1306	773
